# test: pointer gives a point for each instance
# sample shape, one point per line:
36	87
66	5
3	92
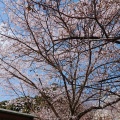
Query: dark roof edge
16	113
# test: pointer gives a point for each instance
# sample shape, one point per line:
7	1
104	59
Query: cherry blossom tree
73	44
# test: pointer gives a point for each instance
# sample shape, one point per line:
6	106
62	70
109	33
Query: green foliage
23	104
10	107
3	104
